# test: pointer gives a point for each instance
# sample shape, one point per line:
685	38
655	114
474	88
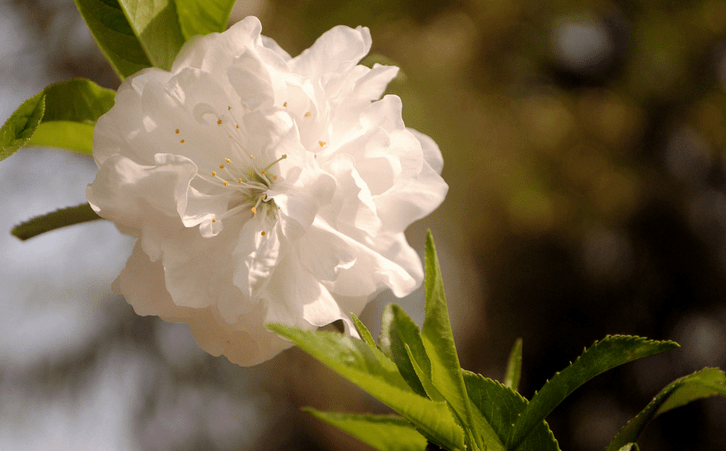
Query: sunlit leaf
113	34
55	220
602	356
375	373
701	384
156	25
438	341
383	432
61	115
203	16
514	366
501	407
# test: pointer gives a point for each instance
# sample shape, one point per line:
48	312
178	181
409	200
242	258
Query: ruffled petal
337	50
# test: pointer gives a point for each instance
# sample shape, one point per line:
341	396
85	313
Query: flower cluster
263	188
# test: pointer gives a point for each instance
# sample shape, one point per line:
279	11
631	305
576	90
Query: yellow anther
322	143
182	141
262	233
262	172
254	210
227	160
239	180
252	156
315	156
308	114
176	131
214	219
226	183
221	166
236	126
285	104
274	177
219	122
229	108
214	173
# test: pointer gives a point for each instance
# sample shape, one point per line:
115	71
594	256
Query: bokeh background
584	144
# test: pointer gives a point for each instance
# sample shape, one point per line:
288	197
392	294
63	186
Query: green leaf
630	447
203	16
55	220
398	331
383	432
602	356
363	331
701	384
372	371
438	341
156	25
514	366
61	115
74	136
501	407
112	32
20	126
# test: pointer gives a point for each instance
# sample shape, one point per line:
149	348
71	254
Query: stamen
226	183
176	131
285	104
254	210
219	122
262	233
322	143
182	141
229	108
214	219
214	173
221	166
227	160
239	180
308	114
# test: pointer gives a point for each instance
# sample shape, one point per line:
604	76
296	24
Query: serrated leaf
601	356
514	366
701	384
203	16
363	331
438	341
112	32
501	407
20	126
156	25
398	331
61	115
383	432
375	373
55	220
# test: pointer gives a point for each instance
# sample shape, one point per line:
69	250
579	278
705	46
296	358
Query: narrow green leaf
363	331
20	126
203	16
501	406
398	331
424	379
61	115
55	220
372	371
438	341
156	25
602	356
701	384
514	366
112	32
383	432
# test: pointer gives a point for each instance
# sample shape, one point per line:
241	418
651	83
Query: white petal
337	50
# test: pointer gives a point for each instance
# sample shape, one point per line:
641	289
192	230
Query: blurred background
585	148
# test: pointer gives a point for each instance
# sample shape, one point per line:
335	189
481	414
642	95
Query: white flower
263	188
